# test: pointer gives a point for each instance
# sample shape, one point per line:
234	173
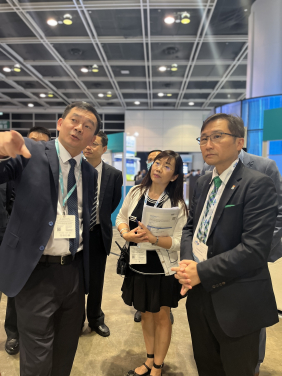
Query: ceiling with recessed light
123	54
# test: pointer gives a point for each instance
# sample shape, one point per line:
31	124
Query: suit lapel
85	176
53	159
104	182
231	187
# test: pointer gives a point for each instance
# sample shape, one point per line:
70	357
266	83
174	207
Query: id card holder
65	227
200	251
138	256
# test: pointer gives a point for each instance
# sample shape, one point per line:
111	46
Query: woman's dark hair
174	189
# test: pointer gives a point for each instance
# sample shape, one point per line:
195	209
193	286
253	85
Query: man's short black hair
40	130
84	106
104	138
235	124
152	151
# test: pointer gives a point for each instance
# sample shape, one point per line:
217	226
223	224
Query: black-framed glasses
215	138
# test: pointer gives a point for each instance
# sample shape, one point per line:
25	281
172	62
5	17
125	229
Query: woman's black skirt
150	292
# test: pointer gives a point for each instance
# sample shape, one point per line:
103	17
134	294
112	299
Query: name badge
200	251
138	256
65	227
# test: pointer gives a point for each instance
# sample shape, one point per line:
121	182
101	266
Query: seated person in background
39	134
151	288
11	328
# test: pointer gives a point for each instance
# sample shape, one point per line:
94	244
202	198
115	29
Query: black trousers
10	325
50	308
97	261
215	353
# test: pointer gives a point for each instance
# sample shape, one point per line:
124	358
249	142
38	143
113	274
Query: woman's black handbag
123	260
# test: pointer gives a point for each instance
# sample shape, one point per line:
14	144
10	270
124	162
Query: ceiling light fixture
42	95
1	113
137	103
7	69
191	103
162	68
67	19
84	70
174	67
30	105
50	95
228	95
100	95
52	22
95	68
124	72
136	134
17	68
169	20
109	94
161	94
169	95
185	18
246	10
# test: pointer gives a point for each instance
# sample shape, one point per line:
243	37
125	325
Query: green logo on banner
4	124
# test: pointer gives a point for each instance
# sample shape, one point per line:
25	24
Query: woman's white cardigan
168	258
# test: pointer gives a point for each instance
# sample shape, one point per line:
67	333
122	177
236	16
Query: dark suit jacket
236	272
34	212
268	167
110	195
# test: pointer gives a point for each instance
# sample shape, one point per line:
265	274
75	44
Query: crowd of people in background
54	250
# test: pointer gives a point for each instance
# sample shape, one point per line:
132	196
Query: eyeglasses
215	138
165	167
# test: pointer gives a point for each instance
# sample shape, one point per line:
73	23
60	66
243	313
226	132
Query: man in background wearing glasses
107	198
224	250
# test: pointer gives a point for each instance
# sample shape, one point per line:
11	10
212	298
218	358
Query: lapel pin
233	186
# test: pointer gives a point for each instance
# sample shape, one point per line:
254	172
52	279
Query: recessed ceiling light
136	134
52	22
109	94
95	68
100	95
67	19
191	103
162	68
246	10
1	113
228	95
7	69
84	69
136	102
17	68
185	18
42	95
50	95
169	95
161	94
169	20
30	105
124	72
174	67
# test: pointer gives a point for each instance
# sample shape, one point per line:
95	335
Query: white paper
160	221
137	256
200	251
65	227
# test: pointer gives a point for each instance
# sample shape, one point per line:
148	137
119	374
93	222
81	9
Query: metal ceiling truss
5	98
243	96
84	15
33	73
17	7
148	81
227	74
125	40
107	5
196	49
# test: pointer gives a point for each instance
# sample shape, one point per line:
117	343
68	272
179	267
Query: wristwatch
156	242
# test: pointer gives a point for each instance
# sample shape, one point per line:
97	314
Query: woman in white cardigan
151	288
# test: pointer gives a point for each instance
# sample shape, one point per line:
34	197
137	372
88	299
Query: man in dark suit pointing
101	232
44	256
224	251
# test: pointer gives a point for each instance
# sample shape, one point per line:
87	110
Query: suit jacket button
220	284
223	283
213	286
51	223
42	248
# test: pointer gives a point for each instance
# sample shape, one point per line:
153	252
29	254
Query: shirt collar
99	167
65	155
226	172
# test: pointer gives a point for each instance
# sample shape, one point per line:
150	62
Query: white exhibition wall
174	130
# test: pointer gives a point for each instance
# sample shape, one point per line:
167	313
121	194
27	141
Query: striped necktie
73	207
203	228
93	216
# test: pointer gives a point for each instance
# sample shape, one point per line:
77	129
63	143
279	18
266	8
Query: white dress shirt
225	176
60	247
99	170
